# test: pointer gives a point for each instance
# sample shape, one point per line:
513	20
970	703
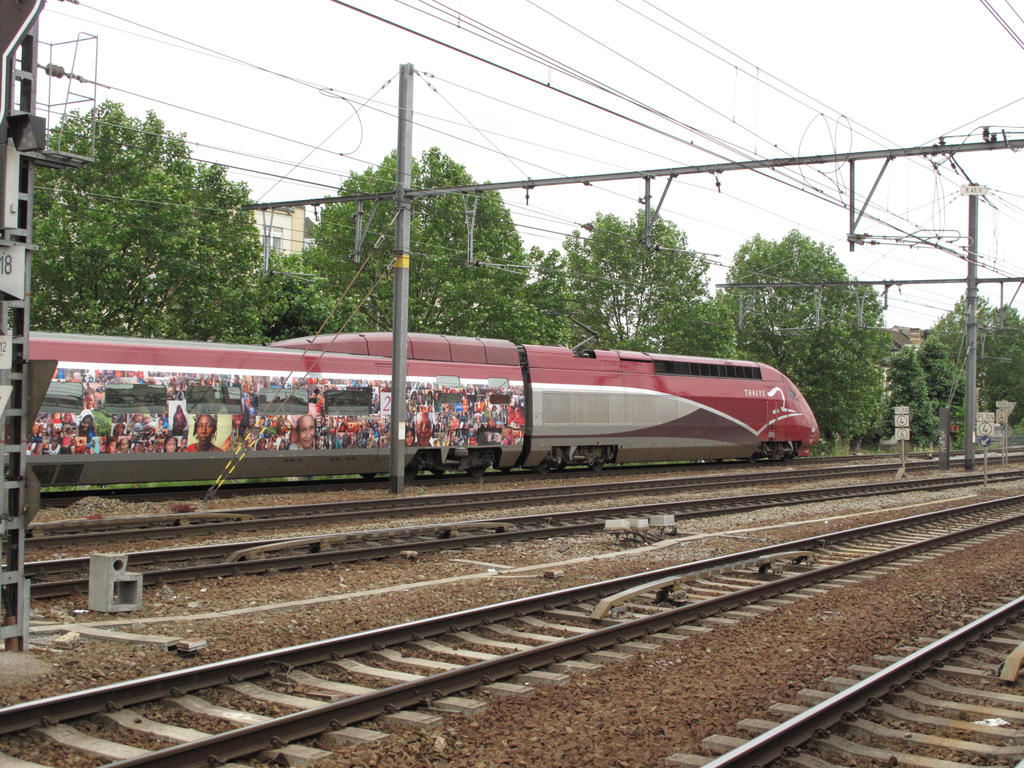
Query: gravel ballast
634	713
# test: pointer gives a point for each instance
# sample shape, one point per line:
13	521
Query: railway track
331	686
939	705
174	524
61	577
51	499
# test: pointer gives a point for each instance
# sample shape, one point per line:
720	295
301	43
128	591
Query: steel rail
305	724
81	703
198	491
443	536
466	500
78	532
797	730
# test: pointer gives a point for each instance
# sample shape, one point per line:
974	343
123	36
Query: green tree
825	339
649	299
940	370
497	297
908	385
1000	353
296	301
143	241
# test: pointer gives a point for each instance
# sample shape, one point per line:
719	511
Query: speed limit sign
902	433
986	428
902	419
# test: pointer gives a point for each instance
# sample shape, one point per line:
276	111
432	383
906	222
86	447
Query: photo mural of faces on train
98	410
444	413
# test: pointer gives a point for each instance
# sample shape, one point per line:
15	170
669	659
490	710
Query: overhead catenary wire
816	191
238	59
279	73
1003	23
138	200
573	96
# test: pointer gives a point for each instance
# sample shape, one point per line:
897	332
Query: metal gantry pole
971	396
400	323
17	138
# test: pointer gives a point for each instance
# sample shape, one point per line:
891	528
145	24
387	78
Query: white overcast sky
308	89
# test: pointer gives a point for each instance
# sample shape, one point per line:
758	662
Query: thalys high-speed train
141	410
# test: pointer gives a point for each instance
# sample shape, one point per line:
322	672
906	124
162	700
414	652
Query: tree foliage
1000	354
908	385
830	348
144	241
495	297
638	297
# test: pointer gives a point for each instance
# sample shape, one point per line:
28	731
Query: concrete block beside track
112	588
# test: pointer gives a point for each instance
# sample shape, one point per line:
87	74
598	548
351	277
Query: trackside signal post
21	133
901	419
986	428
1003	410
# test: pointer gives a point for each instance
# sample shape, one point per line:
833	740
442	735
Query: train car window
718	370
497	383
497	399
293	402
348	402
449	381
63	397
233	396
203	398
135	398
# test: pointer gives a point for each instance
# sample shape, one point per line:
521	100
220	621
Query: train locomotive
117	410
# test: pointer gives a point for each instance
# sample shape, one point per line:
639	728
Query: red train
120	409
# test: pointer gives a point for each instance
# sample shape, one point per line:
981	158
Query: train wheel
368	475
476	470
544	467
438	471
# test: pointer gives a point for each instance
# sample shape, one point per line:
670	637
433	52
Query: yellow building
282	229
901	337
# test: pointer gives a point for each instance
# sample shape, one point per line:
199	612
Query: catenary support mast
21	132
400	324
971	398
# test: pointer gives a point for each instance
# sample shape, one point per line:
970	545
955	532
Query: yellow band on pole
402	261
